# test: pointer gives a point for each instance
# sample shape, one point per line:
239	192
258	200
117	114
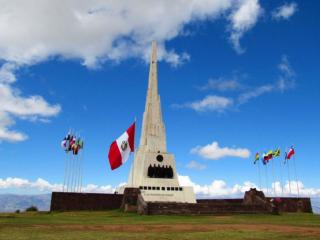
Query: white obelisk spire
153	169
153	137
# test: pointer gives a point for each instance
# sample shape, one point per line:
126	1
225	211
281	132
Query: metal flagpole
267	178
81	170
74	169
274	184
73	172
295	173
289	176
259	175
134	152
281	178
69	162
65	172
76	184
76	162
68	171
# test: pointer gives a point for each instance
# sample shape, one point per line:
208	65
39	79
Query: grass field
118	225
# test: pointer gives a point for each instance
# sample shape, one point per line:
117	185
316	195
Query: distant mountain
315	205
13	202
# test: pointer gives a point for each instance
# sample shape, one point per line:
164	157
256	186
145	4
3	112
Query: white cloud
219	188
19	183
7	73
11	102
246	96
214	152
96	31
242	20
13	105
285	11
287	76
195	165
44	186
286	80
209	103
222	85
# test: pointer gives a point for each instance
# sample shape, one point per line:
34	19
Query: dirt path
305	231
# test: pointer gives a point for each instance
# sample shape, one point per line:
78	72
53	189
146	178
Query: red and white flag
120	149
290	153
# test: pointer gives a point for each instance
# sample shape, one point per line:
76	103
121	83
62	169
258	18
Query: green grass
99	225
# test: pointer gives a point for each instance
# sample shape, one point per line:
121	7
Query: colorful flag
120	149
290	153
270	154
265	159
276	153
267	156
64	143
257	157
81	143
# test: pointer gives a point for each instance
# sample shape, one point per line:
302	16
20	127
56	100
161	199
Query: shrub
17	211
32	209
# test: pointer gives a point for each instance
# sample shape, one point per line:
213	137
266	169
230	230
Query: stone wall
132	200
66	201
129	200
207	208
221	201
289	204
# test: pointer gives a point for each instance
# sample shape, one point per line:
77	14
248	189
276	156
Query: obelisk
153	169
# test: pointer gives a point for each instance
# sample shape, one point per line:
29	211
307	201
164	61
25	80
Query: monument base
165	194
254	202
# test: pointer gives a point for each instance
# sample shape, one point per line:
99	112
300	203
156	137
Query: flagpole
274	184
68	171
68	162
289	176
78	166
71	172
281	178
65	172
296	176
78	156
134	152
267	178
259	175
81	170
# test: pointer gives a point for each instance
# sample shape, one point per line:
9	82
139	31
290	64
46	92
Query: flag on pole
64	143
264	159
267	156
290	153
120	148
257	157
270	155
276	153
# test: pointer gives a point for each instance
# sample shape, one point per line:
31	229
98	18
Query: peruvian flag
120	149
290	153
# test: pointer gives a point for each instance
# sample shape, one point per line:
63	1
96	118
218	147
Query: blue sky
240	73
